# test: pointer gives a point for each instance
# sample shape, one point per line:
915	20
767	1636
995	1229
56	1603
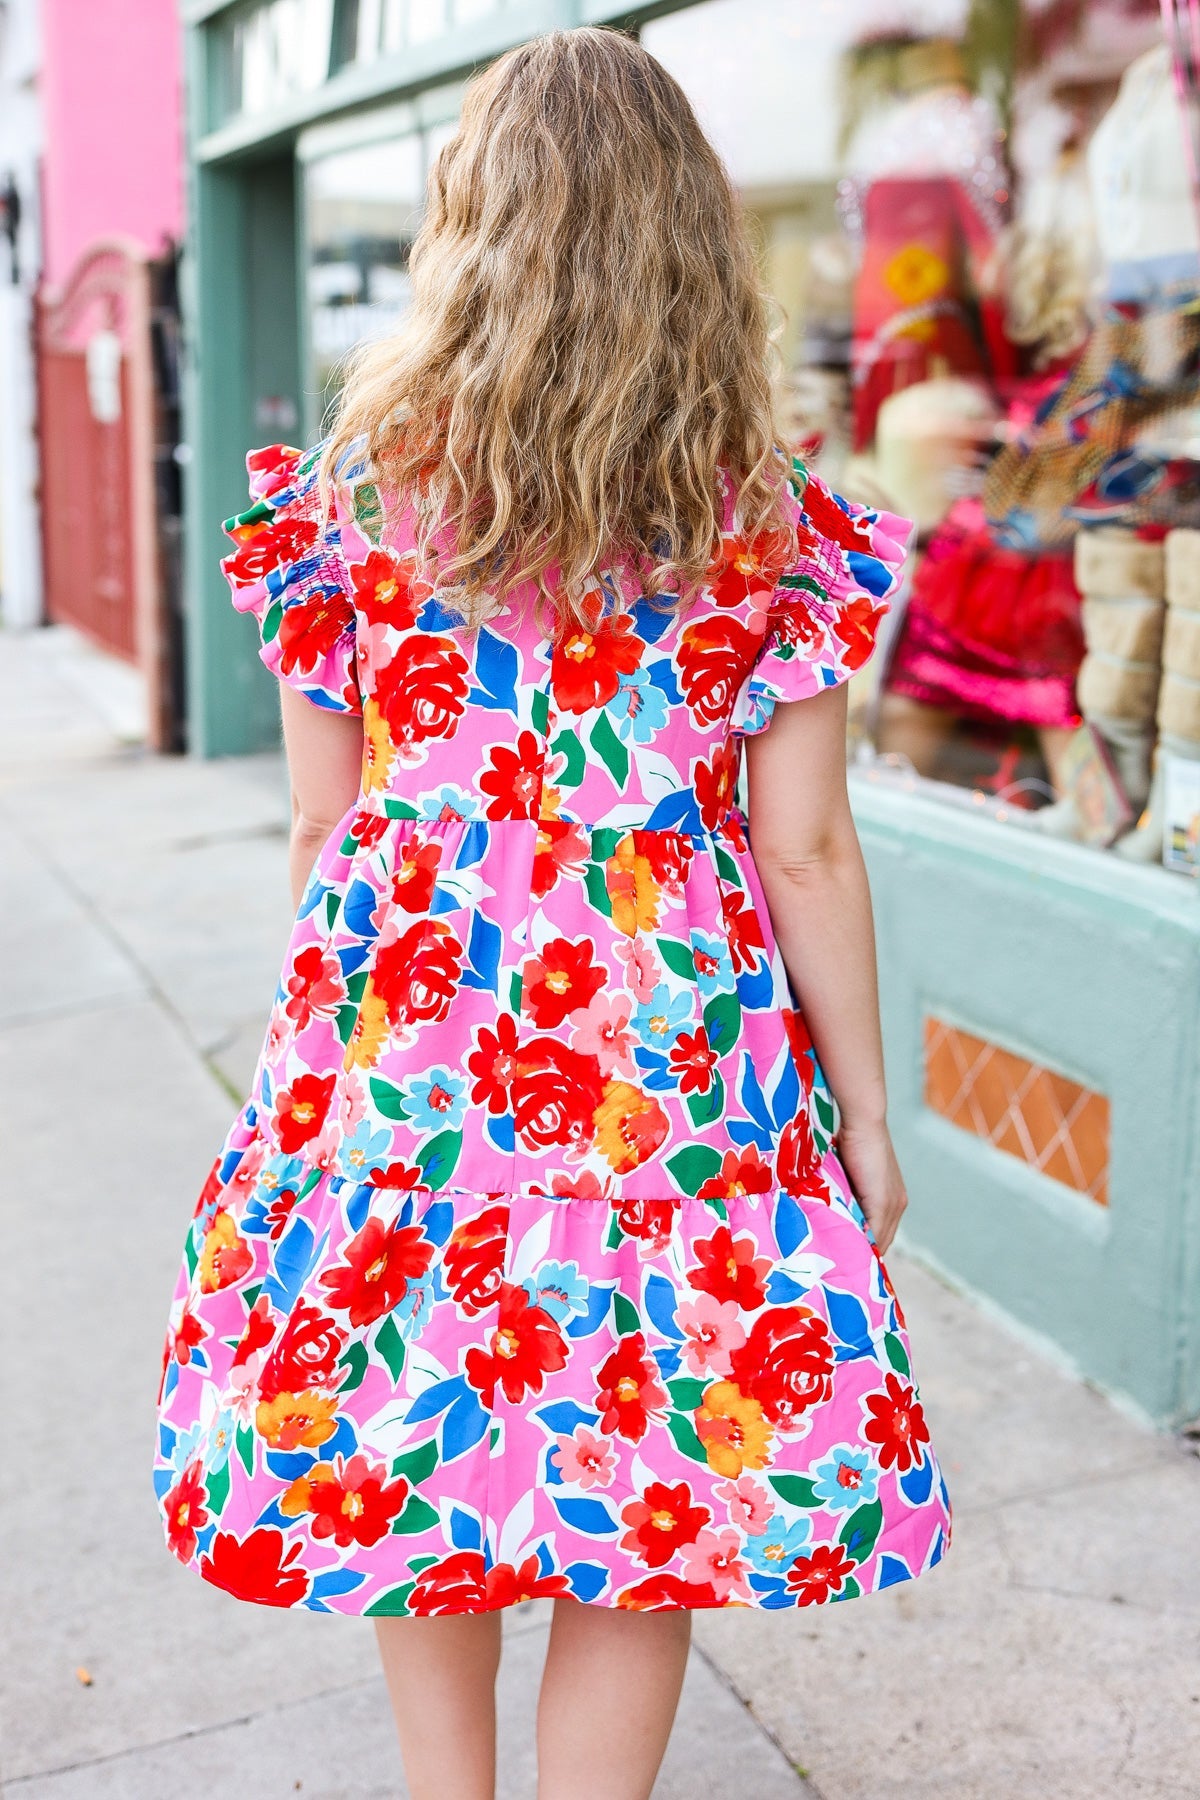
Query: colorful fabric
529	1267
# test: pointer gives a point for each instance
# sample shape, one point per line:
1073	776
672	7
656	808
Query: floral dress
529	1267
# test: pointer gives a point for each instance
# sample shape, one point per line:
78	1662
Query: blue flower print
365	1150
714	965
659	1021
448	803
559	1289
773	1549
220	1442
436	1101
412	1311
845	1477
640	707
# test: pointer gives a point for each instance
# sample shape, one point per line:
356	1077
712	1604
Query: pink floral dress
529	1267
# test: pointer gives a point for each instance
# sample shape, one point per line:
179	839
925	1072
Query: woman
529	1268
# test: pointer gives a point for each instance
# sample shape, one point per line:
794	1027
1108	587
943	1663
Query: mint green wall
1076	960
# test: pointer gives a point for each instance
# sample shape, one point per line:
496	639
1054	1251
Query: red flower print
268	544
743	929
416	977
559	981
386	591
715	786
280	1211
660	1521
669	855
473	1260
272	468
398	1177
857	624
562	849
524	1347
315	988
257	1568
715	657
795	1025
493	1063
897	1425
586	667
513	779
628	1390
257	1331
305	1355
184	1512
742	1172
416	873
380	1261
454	1585
729	1269
666	1593
823	1572
798	1161
650	1221
190	1331
369	829
351	1502
824	518
423	691
555	1095
741	569
786	1364
692	1059
300	1110
309	628
505	1586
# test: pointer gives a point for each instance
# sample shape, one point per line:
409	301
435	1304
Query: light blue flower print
411	1312
714	965
188	1446
773	1549
366	1150
639	706
436	1101
659	1020
220	1442
448	803
845	1477
559	1289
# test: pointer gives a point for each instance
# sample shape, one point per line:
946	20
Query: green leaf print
723	1022
333	901
438	1158
393	1602
388	1099
596	883
515	989
678	958
896	1353
686	1392
861	1529
390	1346
692	1167
417	1563
244	1439
416	1515
684	1434
728	870
356	986
355	1364
191	1253
797	1490
539	711
368	510
614	1234
567	745
217	1486
416	1465
625	1315
610	749
346	1019
271	621
706	1109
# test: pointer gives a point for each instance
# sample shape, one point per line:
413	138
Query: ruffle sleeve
827	606
288	570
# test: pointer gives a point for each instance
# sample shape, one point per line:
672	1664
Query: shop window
1044	1119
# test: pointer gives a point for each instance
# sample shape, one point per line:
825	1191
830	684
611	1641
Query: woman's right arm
811	866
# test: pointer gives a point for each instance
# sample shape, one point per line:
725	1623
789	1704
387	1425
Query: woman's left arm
324	753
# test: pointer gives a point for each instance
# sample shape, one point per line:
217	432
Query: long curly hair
587	357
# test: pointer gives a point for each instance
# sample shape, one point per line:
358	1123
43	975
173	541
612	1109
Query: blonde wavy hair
587	351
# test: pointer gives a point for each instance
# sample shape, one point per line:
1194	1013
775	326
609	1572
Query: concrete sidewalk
1056	1654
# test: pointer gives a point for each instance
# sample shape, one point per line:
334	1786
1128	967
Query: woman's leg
441	1677
608	1699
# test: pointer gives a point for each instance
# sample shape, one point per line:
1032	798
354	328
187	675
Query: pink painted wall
112	114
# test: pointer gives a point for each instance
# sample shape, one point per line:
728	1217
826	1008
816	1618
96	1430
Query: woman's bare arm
324	753
811	866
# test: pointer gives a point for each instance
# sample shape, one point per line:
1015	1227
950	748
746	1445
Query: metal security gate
98	426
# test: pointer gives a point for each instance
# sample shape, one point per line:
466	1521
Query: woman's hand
875	1177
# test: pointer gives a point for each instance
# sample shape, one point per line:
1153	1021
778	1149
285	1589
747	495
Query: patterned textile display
529	1267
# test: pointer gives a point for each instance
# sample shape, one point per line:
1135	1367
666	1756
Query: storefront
979	221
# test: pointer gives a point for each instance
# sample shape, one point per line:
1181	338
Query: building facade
918	176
